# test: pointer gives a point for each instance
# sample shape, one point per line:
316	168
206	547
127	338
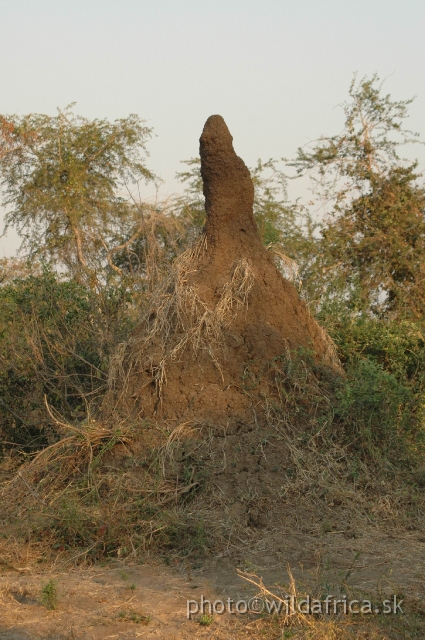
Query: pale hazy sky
274	69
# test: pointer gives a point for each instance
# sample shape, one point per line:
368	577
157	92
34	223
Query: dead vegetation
178	319
139	488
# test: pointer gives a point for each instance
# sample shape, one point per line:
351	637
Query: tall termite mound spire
276	319
228	188
224	311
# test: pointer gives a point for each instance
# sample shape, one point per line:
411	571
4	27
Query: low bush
53	349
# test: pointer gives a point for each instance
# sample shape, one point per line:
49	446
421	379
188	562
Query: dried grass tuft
287	266
178	318
306	626
75	456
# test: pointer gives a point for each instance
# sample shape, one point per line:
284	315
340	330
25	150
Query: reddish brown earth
276	317
226	314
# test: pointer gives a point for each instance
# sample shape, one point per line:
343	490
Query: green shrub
376	410
53	348
49	595
380	405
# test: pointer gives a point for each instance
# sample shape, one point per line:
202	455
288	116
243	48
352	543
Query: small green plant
49	595
206	619
326	527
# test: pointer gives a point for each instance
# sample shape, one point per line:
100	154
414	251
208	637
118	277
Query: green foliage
53	348
192	204
49	595
398	347
63	177
376	411
381	406
382	400
341	166
205	619
133	616
371	253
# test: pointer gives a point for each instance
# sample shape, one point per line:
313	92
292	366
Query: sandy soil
125	600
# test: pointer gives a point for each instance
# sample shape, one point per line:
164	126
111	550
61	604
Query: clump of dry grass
284	611
75	455
287	266
178	318
66	496
98	491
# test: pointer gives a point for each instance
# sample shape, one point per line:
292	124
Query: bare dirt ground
128	600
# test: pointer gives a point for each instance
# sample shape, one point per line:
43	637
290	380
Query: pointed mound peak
228	188
216	137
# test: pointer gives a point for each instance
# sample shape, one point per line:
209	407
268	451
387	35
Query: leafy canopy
63	181
372	247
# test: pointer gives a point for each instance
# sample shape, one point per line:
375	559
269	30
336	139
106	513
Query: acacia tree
372	247
65	181
378	246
